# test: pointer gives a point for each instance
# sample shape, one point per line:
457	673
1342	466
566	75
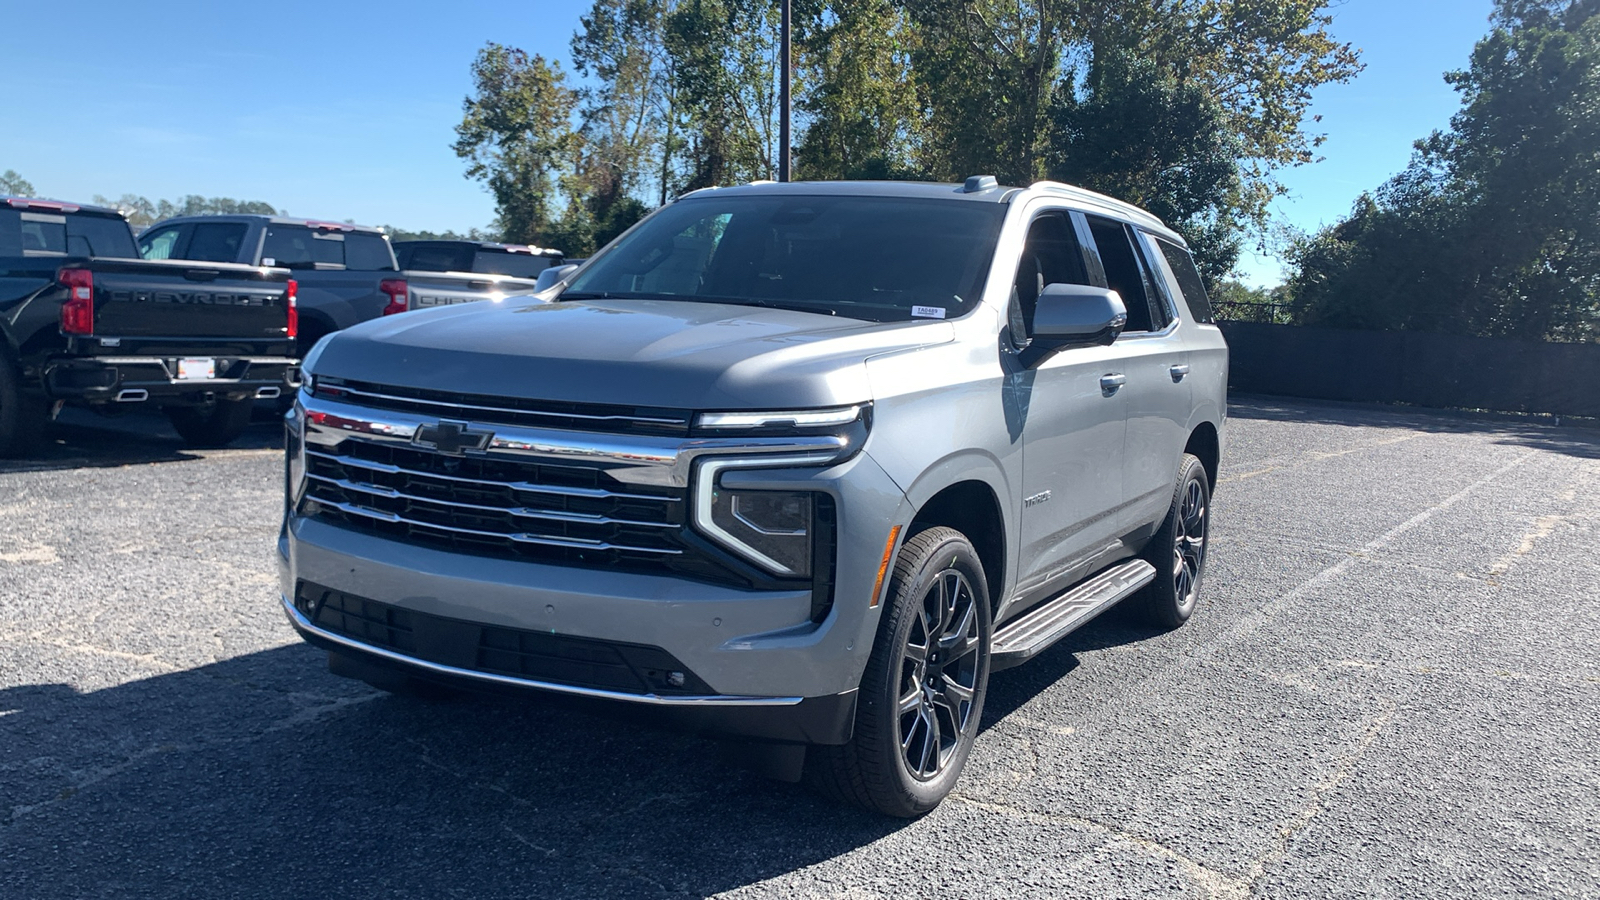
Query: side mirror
1073	315
551	276
1069	314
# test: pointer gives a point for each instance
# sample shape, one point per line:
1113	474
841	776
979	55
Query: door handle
1179	371
1110	383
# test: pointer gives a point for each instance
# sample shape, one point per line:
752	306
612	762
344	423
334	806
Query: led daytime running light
803	418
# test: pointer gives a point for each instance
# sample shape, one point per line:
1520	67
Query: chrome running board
1024	638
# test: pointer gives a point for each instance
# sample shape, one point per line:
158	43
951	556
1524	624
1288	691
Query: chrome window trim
305	626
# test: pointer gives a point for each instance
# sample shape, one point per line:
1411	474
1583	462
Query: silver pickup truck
799	464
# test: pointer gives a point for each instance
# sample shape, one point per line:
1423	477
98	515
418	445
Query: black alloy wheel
939	675
921	696
1178	549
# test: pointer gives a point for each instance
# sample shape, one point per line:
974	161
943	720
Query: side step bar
1022	639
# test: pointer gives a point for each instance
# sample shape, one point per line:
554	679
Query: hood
664	353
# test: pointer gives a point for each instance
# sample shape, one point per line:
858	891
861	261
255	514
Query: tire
1178	550
215	424
913	732
22	415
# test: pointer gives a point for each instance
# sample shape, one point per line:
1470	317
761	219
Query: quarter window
1189	283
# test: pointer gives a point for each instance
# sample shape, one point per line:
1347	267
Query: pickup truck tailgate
430	289
181	299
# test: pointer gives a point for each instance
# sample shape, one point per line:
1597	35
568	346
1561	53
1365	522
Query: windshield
866	257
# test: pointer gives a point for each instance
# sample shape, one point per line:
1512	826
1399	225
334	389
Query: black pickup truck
84	320
346	273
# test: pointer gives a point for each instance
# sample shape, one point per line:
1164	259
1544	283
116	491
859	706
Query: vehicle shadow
80	439
1573	438
264	776
1011	689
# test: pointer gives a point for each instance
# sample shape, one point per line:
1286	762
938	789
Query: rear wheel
22	415
922	693
1178	550
214	424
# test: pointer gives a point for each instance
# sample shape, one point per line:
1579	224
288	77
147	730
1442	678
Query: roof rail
1122	206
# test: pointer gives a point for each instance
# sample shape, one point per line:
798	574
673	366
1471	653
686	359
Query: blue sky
344	110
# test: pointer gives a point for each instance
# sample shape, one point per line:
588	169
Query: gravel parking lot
1392	688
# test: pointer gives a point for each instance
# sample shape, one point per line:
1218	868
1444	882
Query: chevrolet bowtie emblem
451	438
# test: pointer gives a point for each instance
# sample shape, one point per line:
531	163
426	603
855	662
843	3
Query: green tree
626	128
517	137
142	211
1141	134
725	78
1492	229
14	184
860	106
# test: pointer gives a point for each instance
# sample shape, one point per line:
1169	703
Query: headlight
772	529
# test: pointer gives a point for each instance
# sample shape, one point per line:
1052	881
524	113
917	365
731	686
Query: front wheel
922	693
214	424
1178	550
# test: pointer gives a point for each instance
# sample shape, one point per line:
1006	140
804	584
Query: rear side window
1194	290
77	235
367	252
521	265
1124	272
215	241
434	259
299	247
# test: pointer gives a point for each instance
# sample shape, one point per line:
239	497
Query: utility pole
783	95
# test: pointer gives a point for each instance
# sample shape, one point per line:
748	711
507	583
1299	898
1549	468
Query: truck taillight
290	292
396	290
77	314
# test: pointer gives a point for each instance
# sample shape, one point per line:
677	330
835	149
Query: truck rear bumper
112	378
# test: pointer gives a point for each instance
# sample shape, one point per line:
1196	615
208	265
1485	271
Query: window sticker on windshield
268	261
927	312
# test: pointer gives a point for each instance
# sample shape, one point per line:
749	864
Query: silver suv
799	464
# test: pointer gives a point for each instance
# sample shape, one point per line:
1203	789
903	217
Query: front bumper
754	662
808	720
110	378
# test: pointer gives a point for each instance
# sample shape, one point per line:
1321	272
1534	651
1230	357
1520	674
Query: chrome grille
508	410
518	508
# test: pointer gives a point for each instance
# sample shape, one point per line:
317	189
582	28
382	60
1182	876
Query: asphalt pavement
1391	688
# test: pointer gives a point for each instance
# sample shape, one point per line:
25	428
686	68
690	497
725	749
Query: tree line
1185	107
1494	227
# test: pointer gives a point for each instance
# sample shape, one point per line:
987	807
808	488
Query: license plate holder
197	369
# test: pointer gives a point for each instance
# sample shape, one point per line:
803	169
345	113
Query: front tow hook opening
267	393
132	395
